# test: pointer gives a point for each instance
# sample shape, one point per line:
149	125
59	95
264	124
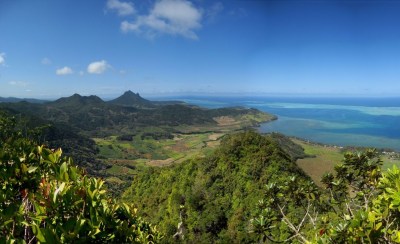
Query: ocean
366	122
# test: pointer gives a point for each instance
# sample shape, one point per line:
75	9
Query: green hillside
58	135
109	139
218	192
96	118
251	190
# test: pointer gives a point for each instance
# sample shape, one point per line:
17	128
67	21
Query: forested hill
72	122
55	135
130	112
251	191
214	195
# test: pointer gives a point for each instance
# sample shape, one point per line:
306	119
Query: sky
50	49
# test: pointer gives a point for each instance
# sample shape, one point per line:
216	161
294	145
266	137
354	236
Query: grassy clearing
114	180
324	158
388	162
117	170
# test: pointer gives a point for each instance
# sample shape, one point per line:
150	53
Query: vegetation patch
213	195
323	158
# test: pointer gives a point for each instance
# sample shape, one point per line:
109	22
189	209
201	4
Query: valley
206	168
115	139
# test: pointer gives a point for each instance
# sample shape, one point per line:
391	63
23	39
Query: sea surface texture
367	122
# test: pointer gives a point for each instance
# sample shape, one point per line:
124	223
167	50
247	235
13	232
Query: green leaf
73	173
38	233
63	171
59	189
79	226
371	217
24	168
49	236
32	169
7	222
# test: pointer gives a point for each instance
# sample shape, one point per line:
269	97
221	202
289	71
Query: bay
367	122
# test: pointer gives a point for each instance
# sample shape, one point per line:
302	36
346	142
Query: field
127	156
324	158
163	146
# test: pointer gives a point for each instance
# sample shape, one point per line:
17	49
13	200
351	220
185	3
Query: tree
359	204
45	198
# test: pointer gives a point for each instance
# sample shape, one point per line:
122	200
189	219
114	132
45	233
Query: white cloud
97	67
64	71
122	8
18	83
175	17
2	59
46	61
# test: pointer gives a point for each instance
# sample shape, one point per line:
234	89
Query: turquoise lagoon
367	122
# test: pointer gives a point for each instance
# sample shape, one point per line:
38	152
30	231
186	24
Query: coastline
355	122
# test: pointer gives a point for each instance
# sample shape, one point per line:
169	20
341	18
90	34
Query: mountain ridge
95	117
77	99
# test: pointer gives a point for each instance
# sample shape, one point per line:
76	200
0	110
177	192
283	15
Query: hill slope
77	101
54	135
218	192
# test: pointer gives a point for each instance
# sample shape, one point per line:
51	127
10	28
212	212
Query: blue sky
53	48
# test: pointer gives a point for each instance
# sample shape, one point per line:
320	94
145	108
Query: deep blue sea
369	122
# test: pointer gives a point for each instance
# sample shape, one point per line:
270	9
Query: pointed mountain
130	99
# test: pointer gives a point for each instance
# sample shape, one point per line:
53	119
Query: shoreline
385	150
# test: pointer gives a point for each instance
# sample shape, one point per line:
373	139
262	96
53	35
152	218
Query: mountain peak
132	99
129	92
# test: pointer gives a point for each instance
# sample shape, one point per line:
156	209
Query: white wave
391	111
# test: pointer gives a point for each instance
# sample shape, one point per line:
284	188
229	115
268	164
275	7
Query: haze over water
368	122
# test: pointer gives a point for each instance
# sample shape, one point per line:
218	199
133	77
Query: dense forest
214	196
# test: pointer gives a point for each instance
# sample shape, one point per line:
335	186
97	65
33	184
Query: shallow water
369	122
